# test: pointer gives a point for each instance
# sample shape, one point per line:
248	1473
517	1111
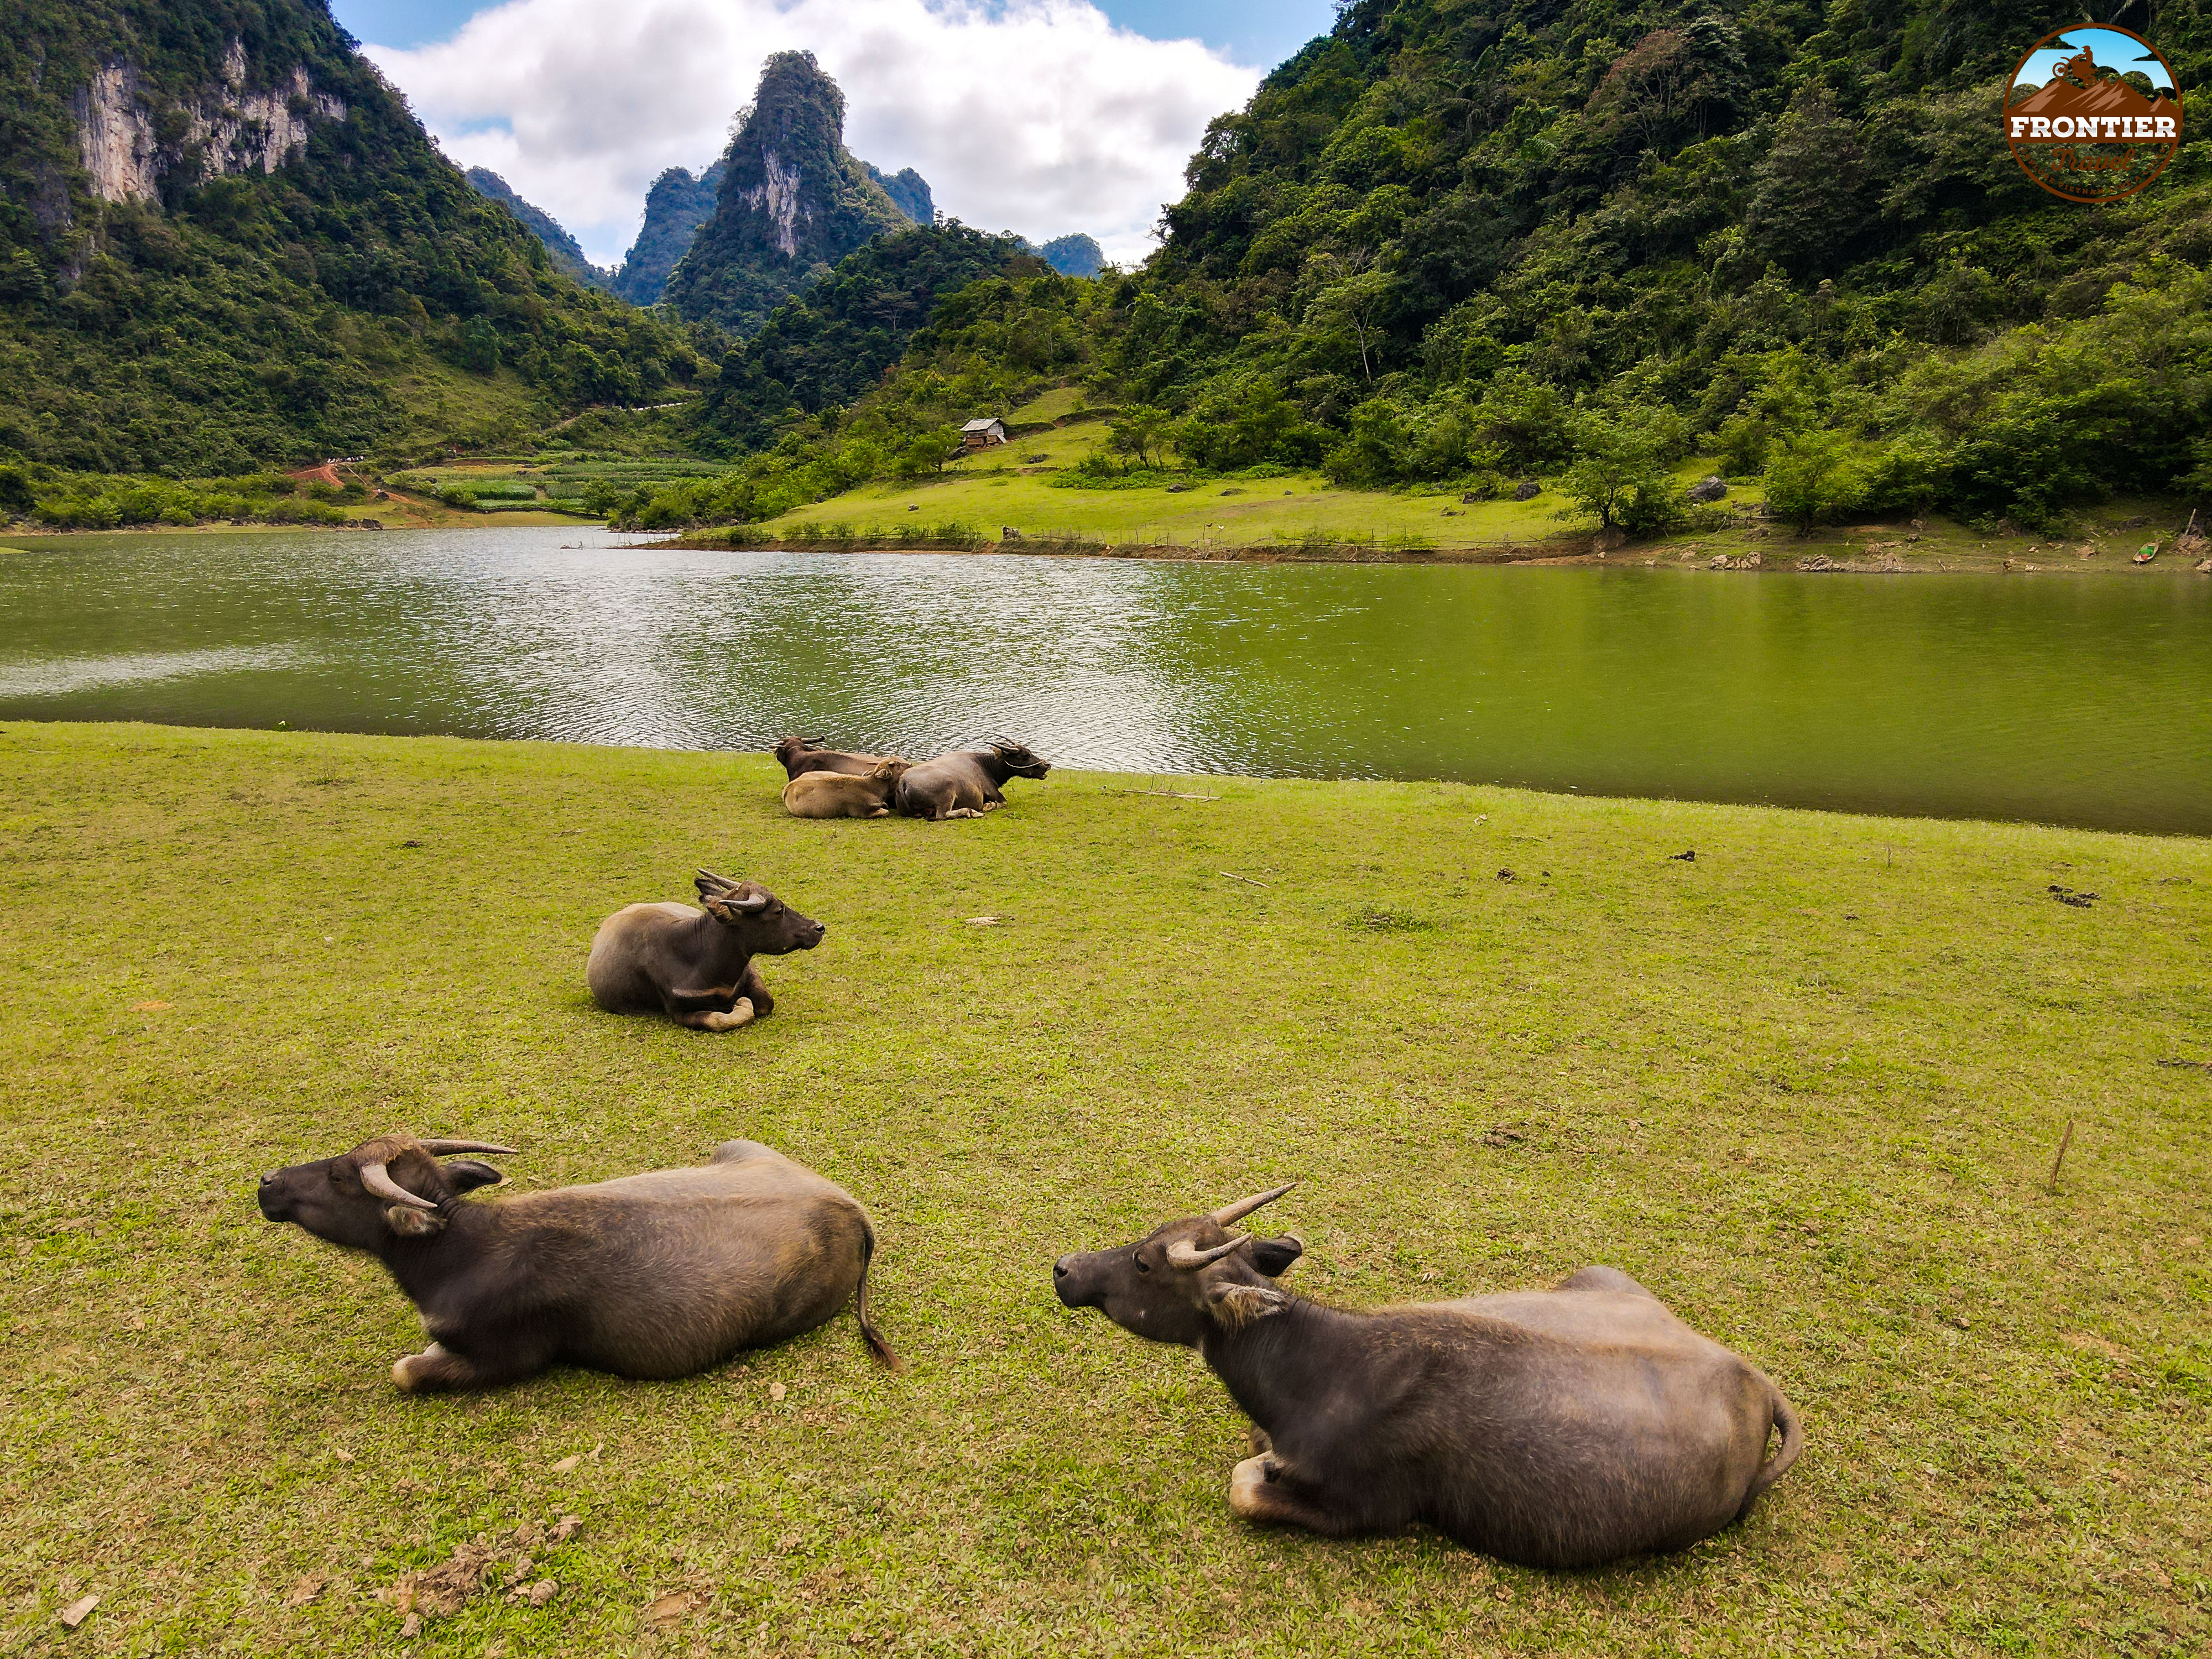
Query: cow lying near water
841	795
801	755
648	1276
695	966
965	783
1559	1428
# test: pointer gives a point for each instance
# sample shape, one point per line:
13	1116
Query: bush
1810	478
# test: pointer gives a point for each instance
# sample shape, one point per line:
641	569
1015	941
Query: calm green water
2063	697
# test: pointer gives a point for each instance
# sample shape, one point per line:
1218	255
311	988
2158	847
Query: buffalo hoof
962	812
1247	1489
741	1013
414	1372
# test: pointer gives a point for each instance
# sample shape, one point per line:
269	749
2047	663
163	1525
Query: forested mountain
1469	240
675	208
566	252
793	201
908	191
224	240
833	343
1448	238
1073	255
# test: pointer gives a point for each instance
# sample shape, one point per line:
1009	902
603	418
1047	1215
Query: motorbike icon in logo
2091	113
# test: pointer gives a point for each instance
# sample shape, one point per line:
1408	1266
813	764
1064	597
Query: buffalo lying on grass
649	1276
841	795
801	756
1559	1428
965	783
695	966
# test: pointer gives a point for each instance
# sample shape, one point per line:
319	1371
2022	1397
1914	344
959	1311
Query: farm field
1807	1086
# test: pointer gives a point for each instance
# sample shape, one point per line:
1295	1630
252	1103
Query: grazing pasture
1807	1086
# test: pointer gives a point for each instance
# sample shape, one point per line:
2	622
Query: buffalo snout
1071	1283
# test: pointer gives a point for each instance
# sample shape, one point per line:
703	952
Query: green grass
1807	1087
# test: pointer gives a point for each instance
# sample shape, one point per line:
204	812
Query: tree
931	451
1809	478
1141	431
1618	474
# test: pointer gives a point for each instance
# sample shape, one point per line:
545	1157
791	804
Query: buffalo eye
1143	1266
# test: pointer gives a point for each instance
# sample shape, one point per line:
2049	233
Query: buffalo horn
709	881
750	902
1186	1257
441	1148
377	1179
1230	1214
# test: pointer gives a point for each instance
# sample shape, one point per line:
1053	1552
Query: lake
2062	697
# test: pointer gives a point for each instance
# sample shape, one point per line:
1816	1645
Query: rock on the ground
1527	490
1707	490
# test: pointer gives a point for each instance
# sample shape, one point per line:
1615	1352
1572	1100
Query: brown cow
841	795
801	755
1559	1428
965	783
696	966
654	1275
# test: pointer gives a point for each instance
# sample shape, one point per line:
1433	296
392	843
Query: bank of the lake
1807	1085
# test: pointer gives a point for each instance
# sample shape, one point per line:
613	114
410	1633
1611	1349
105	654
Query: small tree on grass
1618	475
1809	477
929	453
1142	431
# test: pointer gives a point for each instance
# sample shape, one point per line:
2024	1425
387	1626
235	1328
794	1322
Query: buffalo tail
869	1334
1793	1442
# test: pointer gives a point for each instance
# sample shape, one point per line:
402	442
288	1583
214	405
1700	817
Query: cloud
1036	116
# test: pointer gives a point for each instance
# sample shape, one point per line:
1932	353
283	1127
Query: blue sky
2112	49
1259	32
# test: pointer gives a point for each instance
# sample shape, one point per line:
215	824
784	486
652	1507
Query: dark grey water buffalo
965	783
654	1275
1559	1428
801	755
841	795
695	966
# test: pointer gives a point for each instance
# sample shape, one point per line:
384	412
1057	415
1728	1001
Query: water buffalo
648	1276
696	966
841	795
964	784
801	755
1558	1428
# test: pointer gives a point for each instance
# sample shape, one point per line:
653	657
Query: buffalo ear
467	1175
1273	1256
410	1222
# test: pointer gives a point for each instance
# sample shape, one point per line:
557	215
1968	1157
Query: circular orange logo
2091	113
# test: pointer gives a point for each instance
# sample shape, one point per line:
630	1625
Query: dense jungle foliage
830	345
1471	239
675	208
986	346
361	297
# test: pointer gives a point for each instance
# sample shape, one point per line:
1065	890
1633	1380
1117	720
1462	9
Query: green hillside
224	241
567	254
1458	246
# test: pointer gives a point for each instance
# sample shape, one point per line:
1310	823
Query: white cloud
1037	116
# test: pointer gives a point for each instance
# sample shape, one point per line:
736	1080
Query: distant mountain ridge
675	208
568	254
908	191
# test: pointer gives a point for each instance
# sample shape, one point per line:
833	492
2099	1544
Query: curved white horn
1229	1214
1186	1257
751	901
377	1179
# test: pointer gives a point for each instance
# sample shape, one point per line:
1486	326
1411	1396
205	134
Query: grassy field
1807	1086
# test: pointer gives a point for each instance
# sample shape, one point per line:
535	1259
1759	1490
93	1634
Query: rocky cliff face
227	127
793	201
